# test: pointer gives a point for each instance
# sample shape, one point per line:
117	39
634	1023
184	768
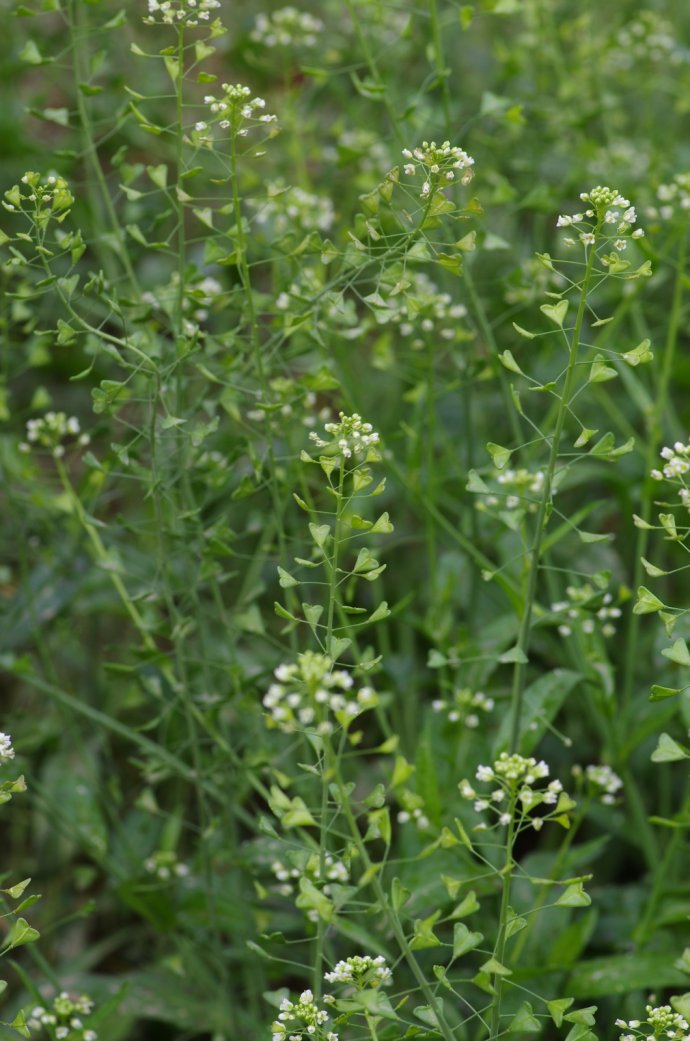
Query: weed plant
345	453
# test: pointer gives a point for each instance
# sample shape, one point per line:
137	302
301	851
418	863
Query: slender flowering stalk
606	209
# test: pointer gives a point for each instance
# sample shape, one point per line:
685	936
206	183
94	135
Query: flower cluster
308	689
674	194
676	466
6	749
63	1018
235	108
334	871
285	394
519	489
463	705
362	971
201	296
423	314
47	197
293	208
601	780
583	609
300	1021
438	164
413	809
518	791
661	1021
286	27
180	12
647	38
607	208
165	865
51	430
349	437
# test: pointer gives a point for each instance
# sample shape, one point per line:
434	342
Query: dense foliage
345	494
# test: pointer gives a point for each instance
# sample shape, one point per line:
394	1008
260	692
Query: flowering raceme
350	437
180	12
6	749
518	791
608	214
438	165
307	690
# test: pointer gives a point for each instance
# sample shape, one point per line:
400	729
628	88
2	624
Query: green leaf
639	355
499	455
203	50
320	533
283	613
513	654
515	924
493	967
468	905
382	525
660	693
620	974
20	933
585	436
424	935
285	579
16	891
312	899
521	332
338	645
592	536
399	894
555	312
158	174
508	362
205	215
524	1021
668	750
312	613
31	54
574	896
557	1008
375	1002
467	243
475	483
301	503
464	940
678	652
652	570
379	613
600	372
647	602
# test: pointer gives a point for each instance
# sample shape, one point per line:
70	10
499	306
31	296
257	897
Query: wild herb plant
381	771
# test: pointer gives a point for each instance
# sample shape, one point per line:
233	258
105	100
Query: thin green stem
333	601
389	913
102	198
441	71
524	632
103	558
653	441
500	945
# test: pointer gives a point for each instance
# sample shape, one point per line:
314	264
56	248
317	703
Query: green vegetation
345	480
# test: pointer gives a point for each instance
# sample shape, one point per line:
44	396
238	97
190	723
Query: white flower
6	749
